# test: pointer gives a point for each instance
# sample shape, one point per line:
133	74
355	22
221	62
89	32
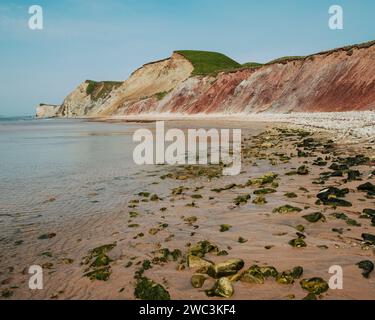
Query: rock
195	262
264	191
242	240
331	195
286	209
314	217
370	213
326	193
290	195
226	268
222	288
197	280
303	170
310	296
288	277
367	267
101	274
353	175
260	200
203	247
298	243
265	179
257	275
369	238
300	228
369	187
242	199
225	227
47	236
314	285
147	289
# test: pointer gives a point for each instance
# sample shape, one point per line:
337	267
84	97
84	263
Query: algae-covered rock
369	213
310	296
197	262
268	271
226	268
242	199
225	227
303	170
147	289
286	209
101	274
197	280
288	277
264	191
47	236
369	238
260	200
203	247
253	275
290	195
263	180
314	217
330	197
369	187
298	243
314	285
222	288
300	228
367	267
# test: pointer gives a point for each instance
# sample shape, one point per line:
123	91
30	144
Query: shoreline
350	125
188	210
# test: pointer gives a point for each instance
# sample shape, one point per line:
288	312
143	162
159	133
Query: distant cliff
193	82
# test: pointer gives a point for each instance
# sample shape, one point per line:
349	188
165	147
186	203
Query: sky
108	39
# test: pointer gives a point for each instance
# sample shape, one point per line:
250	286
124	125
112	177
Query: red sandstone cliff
338	80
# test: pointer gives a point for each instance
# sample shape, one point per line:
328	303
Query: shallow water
57	168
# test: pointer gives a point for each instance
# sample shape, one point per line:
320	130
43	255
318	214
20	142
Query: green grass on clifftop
100	90
208	63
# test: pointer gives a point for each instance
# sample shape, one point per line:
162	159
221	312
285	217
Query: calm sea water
57	168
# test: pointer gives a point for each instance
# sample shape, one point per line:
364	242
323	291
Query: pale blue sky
108	39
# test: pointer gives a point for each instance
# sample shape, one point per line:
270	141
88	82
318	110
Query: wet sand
141	228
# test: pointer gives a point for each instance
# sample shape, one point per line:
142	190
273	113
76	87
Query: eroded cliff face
339	80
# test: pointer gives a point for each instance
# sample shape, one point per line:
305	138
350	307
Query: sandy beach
243	217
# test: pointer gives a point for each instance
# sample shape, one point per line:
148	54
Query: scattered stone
260	200
368	187
290	195
147	289
314	217
242	240
367	267
314	285
369	238
225	227
197	280
242	199
298	243
300	228
222	288
47	236
226	268
287	209
288	277
303	170
195	262
264	191
331	195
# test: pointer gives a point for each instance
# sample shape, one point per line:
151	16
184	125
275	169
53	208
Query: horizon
109	40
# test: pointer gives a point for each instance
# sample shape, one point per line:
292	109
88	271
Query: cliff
195	82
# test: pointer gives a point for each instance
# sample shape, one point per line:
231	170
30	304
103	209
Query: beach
74	188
